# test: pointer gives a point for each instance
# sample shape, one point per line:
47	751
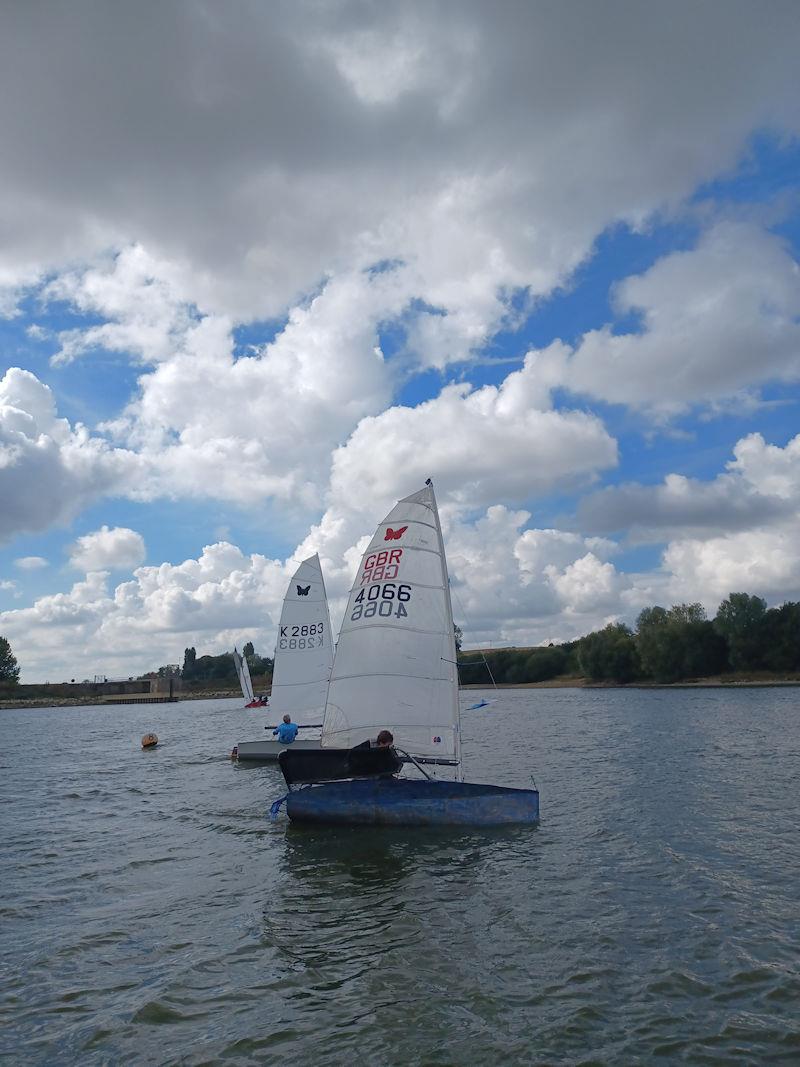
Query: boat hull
268	751
407	802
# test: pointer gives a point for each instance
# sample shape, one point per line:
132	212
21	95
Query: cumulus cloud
49	470
503	591
764	562
481	445
679	507
107	549
761	486
253	157
213	602
145	319
758	498
263	425
716	320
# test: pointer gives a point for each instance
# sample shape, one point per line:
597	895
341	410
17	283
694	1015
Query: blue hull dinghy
407	802
394	682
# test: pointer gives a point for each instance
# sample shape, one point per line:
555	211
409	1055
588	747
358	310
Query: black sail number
385	600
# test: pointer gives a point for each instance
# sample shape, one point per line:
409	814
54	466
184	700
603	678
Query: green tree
9	668
679	643
248	651
189	664
609	654
741	620
781	630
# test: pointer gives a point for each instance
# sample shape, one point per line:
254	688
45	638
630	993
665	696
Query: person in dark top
385	739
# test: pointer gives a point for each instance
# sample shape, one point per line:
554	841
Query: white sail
247	685
395	665
304	649
243	672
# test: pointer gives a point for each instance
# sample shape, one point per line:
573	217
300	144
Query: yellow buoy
149	741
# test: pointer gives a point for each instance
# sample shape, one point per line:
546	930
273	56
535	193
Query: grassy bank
9	703
753	679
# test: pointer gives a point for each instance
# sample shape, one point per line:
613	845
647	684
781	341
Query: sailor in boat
385	739
286	731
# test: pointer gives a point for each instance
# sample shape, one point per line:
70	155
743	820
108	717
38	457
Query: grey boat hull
268	751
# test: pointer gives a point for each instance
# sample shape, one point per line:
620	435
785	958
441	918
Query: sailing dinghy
303	658
395	667
243	671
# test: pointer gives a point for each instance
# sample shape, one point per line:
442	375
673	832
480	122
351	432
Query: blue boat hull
406	802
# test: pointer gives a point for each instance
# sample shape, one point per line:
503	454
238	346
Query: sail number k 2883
301	636
386	601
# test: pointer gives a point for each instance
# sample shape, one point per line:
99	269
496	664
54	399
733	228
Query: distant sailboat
243	671
395	668
303	659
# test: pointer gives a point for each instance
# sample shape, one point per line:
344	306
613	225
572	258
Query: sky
264	268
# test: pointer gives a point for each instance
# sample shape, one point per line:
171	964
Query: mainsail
243	671
395	665
304	649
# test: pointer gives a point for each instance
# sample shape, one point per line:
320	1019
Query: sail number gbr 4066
386	600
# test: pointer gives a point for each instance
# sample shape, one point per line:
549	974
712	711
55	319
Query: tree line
672	644
220	669
665	645
195	669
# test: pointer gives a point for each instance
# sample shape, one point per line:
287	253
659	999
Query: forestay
395	664
304	649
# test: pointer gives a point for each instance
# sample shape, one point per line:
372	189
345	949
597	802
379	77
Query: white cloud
716	320
764	562
757	499
31	563
213	602
256	155
145	318
772	470
480	445
263	425
225	597
108	549
761	486
48	470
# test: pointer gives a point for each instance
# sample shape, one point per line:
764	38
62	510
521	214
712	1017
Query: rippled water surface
152	914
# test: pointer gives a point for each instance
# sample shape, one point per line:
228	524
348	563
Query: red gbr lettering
381	566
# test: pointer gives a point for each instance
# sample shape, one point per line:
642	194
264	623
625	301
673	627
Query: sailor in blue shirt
287	731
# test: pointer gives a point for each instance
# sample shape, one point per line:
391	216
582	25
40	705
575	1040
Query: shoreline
724	682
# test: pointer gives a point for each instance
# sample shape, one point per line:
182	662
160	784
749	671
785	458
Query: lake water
151	914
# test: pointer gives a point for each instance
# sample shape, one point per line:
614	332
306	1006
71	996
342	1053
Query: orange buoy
149	741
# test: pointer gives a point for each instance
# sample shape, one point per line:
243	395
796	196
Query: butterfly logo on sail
301	591
394	535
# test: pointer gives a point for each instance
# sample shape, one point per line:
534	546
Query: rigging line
483	654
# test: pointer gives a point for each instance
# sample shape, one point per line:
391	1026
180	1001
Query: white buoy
149	741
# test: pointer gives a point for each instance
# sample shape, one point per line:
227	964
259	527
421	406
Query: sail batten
395	660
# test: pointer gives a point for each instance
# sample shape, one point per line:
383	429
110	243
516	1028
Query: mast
449	603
